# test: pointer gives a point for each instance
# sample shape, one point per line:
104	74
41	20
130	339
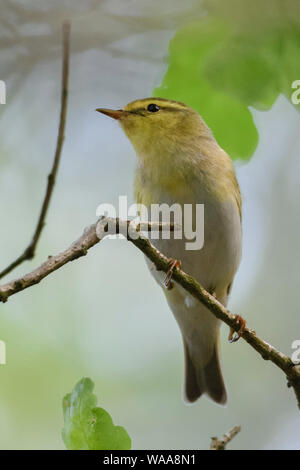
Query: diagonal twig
220	444
92	236
29	252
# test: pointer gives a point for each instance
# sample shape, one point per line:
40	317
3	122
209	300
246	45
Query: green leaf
290	63
266	39
187	80
246	69
87	427
240	56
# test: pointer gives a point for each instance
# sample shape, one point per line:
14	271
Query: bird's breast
206	216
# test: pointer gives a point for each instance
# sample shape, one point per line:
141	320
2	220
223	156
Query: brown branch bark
93	235
220	444
30	250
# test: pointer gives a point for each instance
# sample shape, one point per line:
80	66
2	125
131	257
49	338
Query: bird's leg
174	263
233	335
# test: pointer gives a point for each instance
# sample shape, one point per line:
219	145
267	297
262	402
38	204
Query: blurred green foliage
87	427
187	80
222	70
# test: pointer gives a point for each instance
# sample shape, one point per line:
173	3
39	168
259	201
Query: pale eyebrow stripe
163	100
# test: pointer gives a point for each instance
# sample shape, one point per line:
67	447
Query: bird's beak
113	113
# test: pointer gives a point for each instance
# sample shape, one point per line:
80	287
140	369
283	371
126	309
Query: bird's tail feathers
201	379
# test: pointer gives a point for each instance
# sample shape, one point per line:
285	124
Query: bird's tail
201	379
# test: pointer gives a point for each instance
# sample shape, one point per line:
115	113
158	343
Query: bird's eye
153	108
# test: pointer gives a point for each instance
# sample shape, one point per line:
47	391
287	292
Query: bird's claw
236	335
174	263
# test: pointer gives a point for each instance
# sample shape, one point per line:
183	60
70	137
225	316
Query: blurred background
103	316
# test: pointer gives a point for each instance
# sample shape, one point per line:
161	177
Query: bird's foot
174	264
235	335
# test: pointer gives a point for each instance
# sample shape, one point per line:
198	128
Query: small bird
180	162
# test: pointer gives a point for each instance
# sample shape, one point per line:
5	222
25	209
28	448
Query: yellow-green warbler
179	161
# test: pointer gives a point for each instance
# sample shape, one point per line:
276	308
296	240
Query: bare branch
30	250
93	235
220	444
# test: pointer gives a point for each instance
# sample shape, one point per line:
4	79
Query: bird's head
157	127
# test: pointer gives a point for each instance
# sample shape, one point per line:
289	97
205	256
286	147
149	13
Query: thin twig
220	444
29	253
93	235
